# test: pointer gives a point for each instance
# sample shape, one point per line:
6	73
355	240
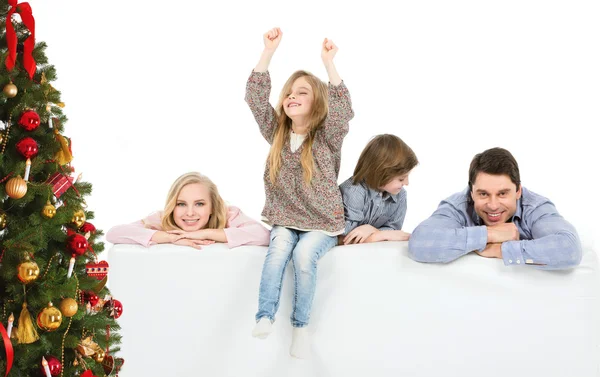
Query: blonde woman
303	202
194	215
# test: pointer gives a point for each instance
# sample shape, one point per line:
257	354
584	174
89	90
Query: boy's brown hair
385	157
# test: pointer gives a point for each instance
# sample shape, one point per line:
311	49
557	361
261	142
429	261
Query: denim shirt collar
383	194
518	212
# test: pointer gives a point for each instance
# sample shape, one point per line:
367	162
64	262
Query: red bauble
91	297
27	147
53	364
114	307
87	227
30	120
77	244
88	373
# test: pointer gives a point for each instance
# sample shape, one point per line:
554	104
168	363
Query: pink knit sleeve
139	232
242	230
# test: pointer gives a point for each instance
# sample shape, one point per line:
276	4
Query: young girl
303	202
374	197
194	215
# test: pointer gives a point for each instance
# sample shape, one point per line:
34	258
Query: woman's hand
196	244
214	235
201	234
179	237
165	237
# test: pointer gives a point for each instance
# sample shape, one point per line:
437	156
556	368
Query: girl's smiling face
193	207
298	102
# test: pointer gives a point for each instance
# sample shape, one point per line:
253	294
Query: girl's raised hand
328	50
272	38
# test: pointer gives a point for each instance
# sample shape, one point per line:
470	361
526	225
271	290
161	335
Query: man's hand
502	233
492	250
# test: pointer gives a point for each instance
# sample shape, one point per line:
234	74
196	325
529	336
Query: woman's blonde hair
385	157
218	218
318	114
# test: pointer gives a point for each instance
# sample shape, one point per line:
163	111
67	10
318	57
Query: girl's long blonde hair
218	218
318	114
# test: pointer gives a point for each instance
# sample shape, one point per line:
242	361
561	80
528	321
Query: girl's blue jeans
304	249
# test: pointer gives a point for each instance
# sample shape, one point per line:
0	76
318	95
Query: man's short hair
494	161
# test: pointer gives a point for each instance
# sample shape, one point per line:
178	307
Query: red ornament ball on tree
77	244
30	120
88	227
53	364
114	307
27	147
91	297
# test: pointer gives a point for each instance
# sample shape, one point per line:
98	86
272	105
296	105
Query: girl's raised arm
271	39
328	51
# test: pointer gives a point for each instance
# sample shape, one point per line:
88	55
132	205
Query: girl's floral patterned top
291	202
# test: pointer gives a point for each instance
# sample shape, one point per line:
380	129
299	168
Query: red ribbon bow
24	9
7	347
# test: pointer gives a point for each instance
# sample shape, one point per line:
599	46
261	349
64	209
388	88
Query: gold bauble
78	218
2	220
16	187
68	307
49	210
49	318
10	90
28	271
99	355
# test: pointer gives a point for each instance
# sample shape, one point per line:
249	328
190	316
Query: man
497	218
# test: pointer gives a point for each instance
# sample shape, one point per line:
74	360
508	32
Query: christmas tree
57	317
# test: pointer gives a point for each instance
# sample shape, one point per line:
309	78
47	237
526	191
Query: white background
154	89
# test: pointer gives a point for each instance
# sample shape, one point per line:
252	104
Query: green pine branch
29	232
